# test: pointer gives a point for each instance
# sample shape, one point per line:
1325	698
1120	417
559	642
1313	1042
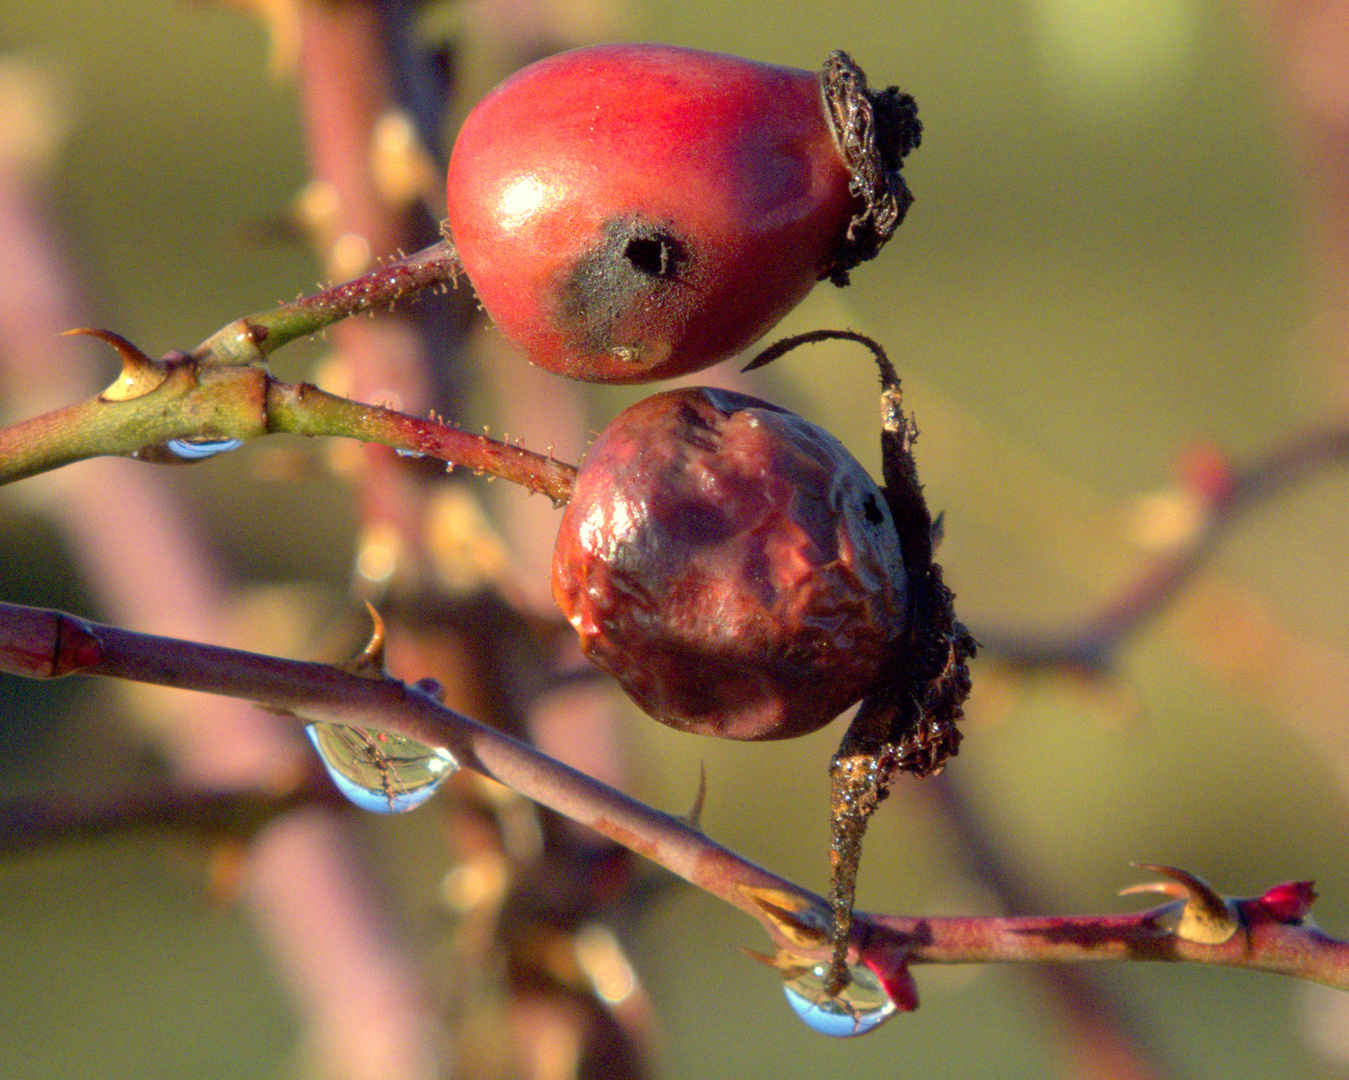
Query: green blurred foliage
1104	265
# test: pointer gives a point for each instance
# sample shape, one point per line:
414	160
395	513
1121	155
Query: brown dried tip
875	131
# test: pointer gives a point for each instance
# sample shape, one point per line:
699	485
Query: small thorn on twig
760	957
694	817
796	918
126	350
370	660
1207	917
787	964
140	374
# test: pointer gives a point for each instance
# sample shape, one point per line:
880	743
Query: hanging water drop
408	453
201	449
859	1007
379	772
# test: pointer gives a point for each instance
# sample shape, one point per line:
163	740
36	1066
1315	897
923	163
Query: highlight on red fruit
635	212
731	565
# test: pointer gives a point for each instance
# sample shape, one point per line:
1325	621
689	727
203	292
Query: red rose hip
634	212
731	565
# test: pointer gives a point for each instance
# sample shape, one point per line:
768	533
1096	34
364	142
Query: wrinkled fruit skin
731	565
635	212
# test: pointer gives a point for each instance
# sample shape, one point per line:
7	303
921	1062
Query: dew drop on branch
201	449
860	1007
380	772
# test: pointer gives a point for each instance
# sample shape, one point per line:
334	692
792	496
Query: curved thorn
140	374
370	660
1207	918
695	814
131	356
795	917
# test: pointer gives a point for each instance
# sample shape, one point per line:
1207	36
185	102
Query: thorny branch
182	397
253	338
1268	933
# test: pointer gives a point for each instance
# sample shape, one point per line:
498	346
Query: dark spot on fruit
605	296
655	255
872	510
694	429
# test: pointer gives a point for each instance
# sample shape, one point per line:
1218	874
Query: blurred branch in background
307	891
1214	498
375	93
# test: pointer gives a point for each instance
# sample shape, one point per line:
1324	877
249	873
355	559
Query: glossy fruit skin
731	565
636	212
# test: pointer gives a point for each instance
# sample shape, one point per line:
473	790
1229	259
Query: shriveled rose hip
731	565
634	212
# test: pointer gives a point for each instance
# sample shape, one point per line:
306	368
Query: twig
303	883
1267	933
30	823
180	398
253	338
1092	646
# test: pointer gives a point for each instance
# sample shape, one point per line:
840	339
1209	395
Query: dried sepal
874	131
910	724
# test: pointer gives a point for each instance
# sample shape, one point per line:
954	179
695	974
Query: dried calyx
875	131
909	723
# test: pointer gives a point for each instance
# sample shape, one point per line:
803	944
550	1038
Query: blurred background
1125	263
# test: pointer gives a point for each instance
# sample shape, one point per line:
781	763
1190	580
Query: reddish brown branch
44	644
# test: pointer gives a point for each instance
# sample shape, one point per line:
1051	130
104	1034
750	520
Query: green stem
302	409
253	338
189	403
196	401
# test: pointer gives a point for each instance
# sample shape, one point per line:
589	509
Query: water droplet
379	772
201	449
861	1006
408	453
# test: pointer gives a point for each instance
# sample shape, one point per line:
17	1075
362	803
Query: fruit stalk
251	339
